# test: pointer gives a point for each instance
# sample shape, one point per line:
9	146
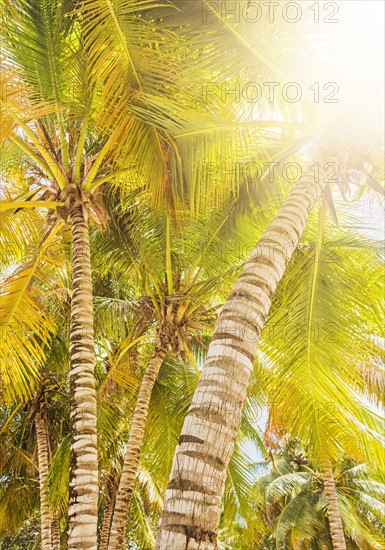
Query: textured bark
191	513
55	529
108	509
83	499
42	456
335	521
106	525
134	445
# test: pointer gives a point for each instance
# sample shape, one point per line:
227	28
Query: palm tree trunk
135	442
108	510
55	529
106	525
42	456
335	521
83	500
191	513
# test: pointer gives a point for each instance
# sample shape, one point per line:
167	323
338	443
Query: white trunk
83	500
191	514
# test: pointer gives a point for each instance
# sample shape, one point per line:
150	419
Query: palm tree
134	445
209	431
291	499
134	247
33	430
192	501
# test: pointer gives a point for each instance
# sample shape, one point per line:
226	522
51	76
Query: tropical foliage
192	340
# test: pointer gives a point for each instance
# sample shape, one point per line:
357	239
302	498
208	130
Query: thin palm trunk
42	456
135	442
191	513
111	488
83	501
55	529
106	526
335	521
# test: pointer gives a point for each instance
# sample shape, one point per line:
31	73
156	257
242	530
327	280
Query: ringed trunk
335	521
134	445
192	503
42	456
55	529
83	499
108	510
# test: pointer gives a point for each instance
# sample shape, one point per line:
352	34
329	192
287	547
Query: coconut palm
31	433
292	499
61	90
211	426
208	434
